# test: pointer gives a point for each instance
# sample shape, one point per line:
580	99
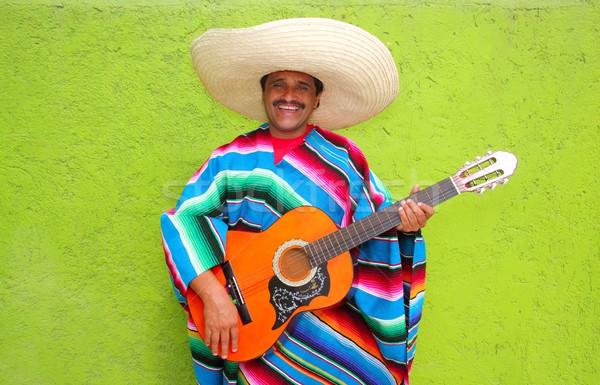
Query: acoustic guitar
302	262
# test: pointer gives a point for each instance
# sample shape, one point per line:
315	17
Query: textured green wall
102	120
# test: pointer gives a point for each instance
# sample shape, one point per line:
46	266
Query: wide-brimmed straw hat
358	72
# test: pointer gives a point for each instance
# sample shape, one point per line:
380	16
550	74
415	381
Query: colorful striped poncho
368	339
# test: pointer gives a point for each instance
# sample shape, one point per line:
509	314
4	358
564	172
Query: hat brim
358	72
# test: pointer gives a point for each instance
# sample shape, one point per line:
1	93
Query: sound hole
294	264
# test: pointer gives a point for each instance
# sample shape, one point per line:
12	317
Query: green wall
102	120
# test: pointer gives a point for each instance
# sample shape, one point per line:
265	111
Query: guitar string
346	243
328	249
333	249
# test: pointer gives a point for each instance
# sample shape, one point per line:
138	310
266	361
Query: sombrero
358	72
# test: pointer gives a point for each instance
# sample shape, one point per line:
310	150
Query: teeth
288	108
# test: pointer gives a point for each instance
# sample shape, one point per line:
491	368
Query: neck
282	134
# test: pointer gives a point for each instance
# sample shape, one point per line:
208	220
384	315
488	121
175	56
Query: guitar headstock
485	172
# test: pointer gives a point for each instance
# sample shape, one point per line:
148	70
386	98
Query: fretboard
375	224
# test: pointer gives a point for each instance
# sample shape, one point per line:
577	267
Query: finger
419	214
207	335
412	211
428	210
403	218
234	339
421	217
224	345
412	206
416	188
214	344
407	217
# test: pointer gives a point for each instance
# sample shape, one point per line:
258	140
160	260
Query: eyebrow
285	79
304	83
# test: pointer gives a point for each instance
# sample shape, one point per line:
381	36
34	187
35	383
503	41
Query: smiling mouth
289	106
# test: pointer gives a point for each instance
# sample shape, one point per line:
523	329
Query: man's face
289	99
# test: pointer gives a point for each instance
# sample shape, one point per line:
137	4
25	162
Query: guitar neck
375	224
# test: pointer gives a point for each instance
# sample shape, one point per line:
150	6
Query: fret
375	224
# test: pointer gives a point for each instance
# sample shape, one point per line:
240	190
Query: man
295	74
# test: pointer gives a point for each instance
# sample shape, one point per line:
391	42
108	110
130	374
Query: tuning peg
480	191
489	152
467	163
503	181
478	158
493	186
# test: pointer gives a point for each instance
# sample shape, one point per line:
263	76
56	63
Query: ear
317	101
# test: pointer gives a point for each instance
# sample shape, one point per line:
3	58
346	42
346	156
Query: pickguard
286	299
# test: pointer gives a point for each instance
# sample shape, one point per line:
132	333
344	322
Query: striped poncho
370	338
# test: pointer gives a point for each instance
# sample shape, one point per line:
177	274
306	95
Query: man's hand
220	314
413	215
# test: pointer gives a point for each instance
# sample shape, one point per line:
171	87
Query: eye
302	87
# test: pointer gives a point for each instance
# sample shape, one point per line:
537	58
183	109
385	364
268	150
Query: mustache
296	103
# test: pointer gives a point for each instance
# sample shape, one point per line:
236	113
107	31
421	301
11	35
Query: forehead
291	76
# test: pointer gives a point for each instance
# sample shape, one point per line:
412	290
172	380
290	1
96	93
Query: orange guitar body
260	261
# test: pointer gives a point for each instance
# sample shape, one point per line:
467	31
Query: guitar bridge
232	287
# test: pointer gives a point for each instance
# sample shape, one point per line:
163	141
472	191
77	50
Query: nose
289	94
